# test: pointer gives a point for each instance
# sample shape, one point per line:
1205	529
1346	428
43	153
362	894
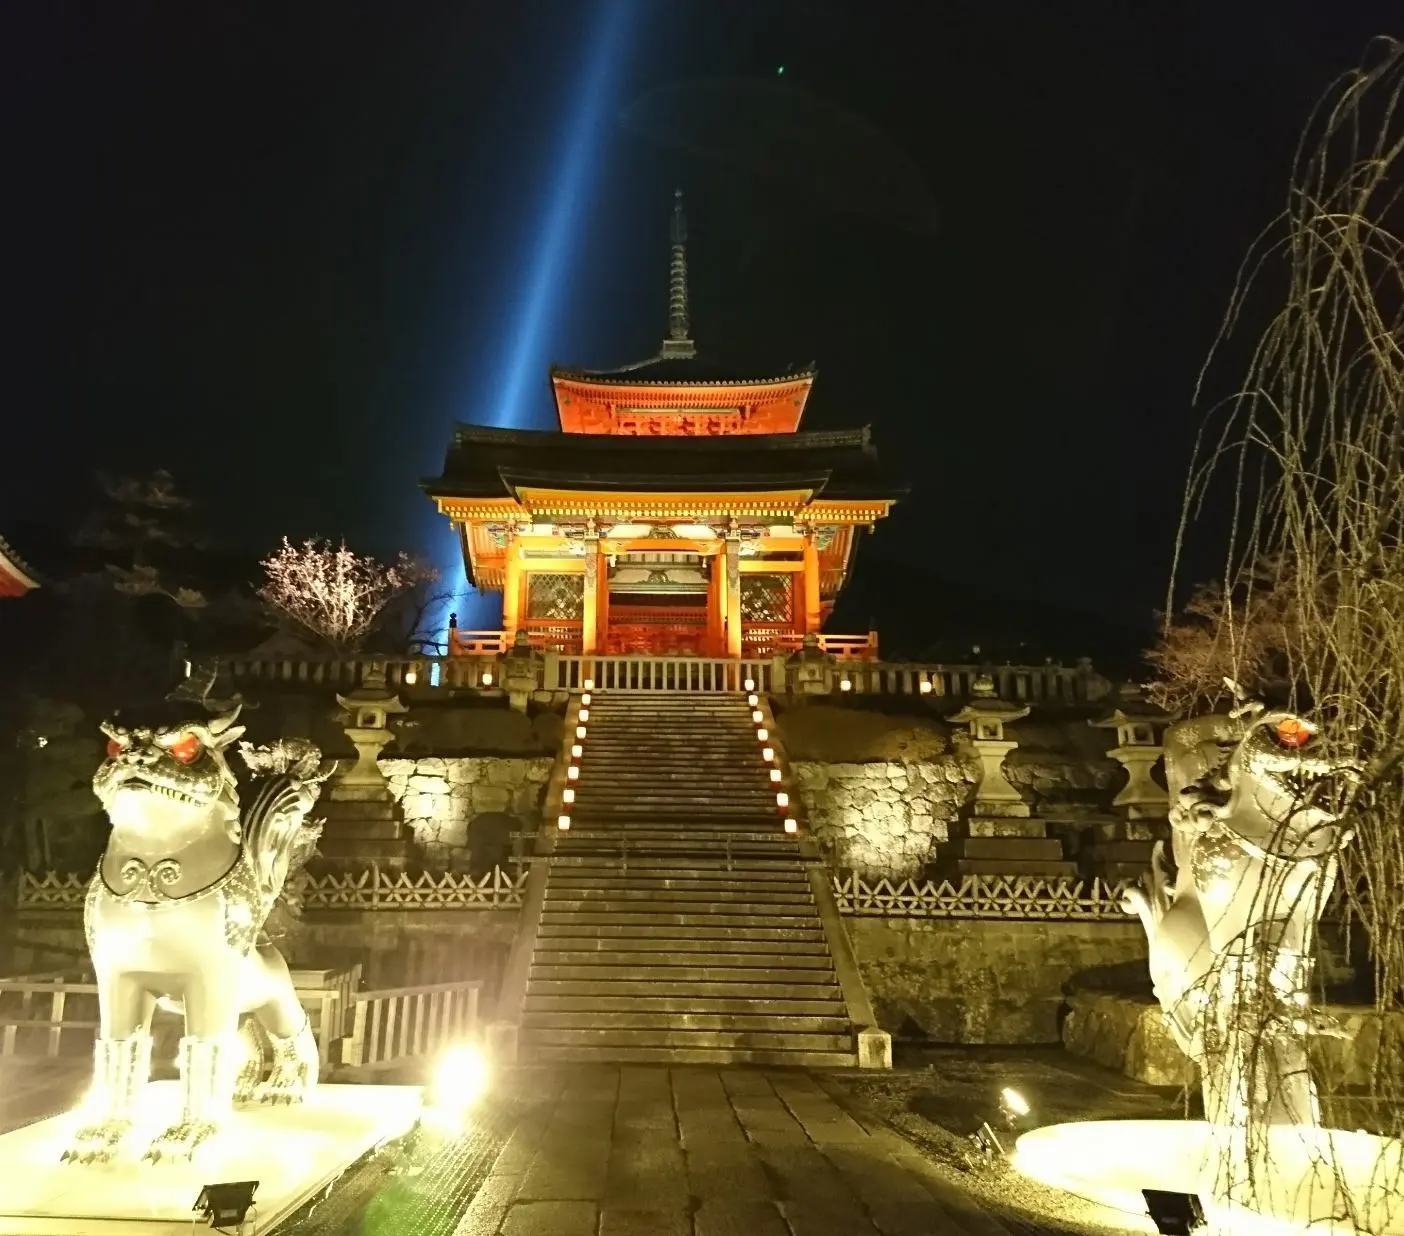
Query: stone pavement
652	1151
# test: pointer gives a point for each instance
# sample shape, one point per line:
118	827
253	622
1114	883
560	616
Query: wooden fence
399	1025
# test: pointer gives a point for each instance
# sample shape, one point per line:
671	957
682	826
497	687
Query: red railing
774	641
660	632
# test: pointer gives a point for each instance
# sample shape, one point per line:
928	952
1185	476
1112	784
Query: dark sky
280	248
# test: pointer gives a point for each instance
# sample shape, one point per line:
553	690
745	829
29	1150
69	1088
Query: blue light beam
526	361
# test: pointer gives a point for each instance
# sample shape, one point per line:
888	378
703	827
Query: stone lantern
987	715
521	671
369	708
810	671
1137	723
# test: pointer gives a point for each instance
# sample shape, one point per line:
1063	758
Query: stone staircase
679	924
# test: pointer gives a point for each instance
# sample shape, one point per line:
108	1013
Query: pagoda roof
495	463
683	371
16	576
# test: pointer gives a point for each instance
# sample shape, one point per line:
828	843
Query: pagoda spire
679	343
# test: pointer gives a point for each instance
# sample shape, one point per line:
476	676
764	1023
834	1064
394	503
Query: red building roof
15	577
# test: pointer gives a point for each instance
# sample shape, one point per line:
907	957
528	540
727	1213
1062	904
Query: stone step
756	801
548	947
686	1022
785	956
712	1039
563	878
958	868
799	895
778	973
670	988
759	1006
542	1053
608	931
667	866
679	841
635	915
364	830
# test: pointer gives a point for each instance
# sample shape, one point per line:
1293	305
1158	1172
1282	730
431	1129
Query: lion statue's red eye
186	749
115	747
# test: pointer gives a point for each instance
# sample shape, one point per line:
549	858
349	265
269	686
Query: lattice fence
998	897
369	889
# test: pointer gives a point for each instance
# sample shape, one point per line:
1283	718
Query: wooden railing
989	897
399	1025
853	672
781	641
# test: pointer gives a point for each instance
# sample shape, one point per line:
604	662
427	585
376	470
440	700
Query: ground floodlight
1174	1214
226	1205
461	1077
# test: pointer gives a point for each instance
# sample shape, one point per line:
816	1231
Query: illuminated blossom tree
334	594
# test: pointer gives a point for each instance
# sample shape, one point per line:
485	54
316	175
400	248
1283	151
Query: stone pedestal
1122	850
521	672
811	670
363	822
1000	837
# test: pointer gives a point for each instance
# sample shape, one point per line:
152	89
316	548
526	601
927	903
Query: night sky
280	249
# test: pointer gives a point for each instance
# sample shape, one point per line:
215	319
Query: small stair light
487	678
580	731
584	715
775	774
563	823
757	716
568	794
589	684
762	734
782	800
585	700
845	684
767	754
573	772
753	700
925	685
750	684
410	678
576	751
790	825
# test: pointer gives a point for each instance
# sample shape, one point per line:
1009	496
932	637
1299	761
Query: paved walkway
640	1151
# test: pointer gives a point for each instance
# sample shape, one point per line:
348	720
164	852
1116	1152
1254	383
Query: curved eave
15	576
616	379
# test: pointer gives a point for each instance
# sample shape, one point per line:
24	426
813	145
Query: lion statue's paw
96	1143
295	1068
180	1141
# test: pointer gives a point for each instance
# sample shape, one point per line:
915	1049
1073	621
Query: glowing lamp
750	684
753	700
757	716
585	700
461	1077
762	734
411	678
925	686
790	824
568	794
576	751
782	800
589	684
584	715
580	731
845	685
563	823
775	774
767	754
1014	1101
487	678
573	772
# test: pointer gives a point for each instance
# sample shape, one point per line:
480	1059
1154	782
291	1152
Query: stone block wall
981	981
884	818
460	808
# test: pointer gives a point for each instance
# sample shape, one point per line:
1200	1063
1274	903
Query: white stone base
293	1152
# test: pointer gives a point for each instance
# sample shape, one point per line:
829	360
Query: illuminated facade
680	510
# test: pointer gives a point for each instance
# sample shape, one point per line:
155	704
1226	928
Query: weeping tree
1308	457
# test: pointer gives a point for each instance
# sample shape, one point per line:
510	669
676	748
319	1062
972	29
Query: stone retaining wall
981	981
460	808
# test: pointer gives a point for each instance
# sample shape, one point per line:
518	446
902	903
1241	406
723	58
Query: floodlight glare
487	678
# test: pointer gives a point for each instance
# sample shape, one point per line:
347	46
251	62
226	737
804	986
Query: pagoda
16	579
679	510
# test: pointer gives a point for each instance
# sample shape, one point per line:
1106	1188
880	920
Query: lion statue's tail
277	836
